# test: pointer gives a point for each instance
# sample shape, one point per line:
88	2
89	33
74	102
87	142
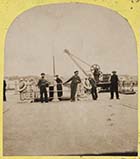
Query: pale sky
95	34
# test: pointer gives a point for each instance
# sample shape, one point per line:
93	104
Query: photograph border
10	9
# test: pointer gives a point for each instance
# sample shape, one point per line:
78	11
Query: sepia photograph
70	84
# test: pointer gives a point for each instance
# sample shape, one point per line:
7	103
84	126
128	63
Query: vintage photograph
70	83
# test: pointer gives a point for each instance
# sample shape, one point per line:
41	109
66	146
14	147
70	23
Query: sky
95	34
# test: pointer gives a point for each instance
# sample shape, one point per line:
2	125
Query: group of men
75	80
43	83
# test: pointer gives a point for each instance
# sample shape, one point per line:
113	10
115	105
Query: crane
95	70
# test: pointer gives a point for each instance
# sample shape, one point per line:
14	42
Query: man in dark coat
42	84
75	80
4	90
96	74
114	85
93	87
59	87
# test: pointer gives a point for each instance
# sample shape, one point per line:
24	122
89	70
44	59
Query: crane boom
71	56
81	60
67	51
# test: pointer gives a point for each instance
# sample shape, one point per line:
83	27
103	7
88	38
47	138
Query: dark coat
92	82
74	80
4	84
59	87
4	90
114	82
42	83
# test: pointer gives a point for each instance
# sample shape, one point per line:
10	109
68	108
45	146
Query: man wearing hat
75	80
59	87
93	87
114	85
42	84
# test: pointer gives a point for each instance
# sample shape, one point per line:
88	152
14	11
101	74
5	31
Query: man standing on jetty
93	87
42	84
59	87
4	90
75	80
114	85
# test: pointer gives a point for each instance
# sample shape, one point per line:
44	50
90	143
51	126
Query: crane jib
71	56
